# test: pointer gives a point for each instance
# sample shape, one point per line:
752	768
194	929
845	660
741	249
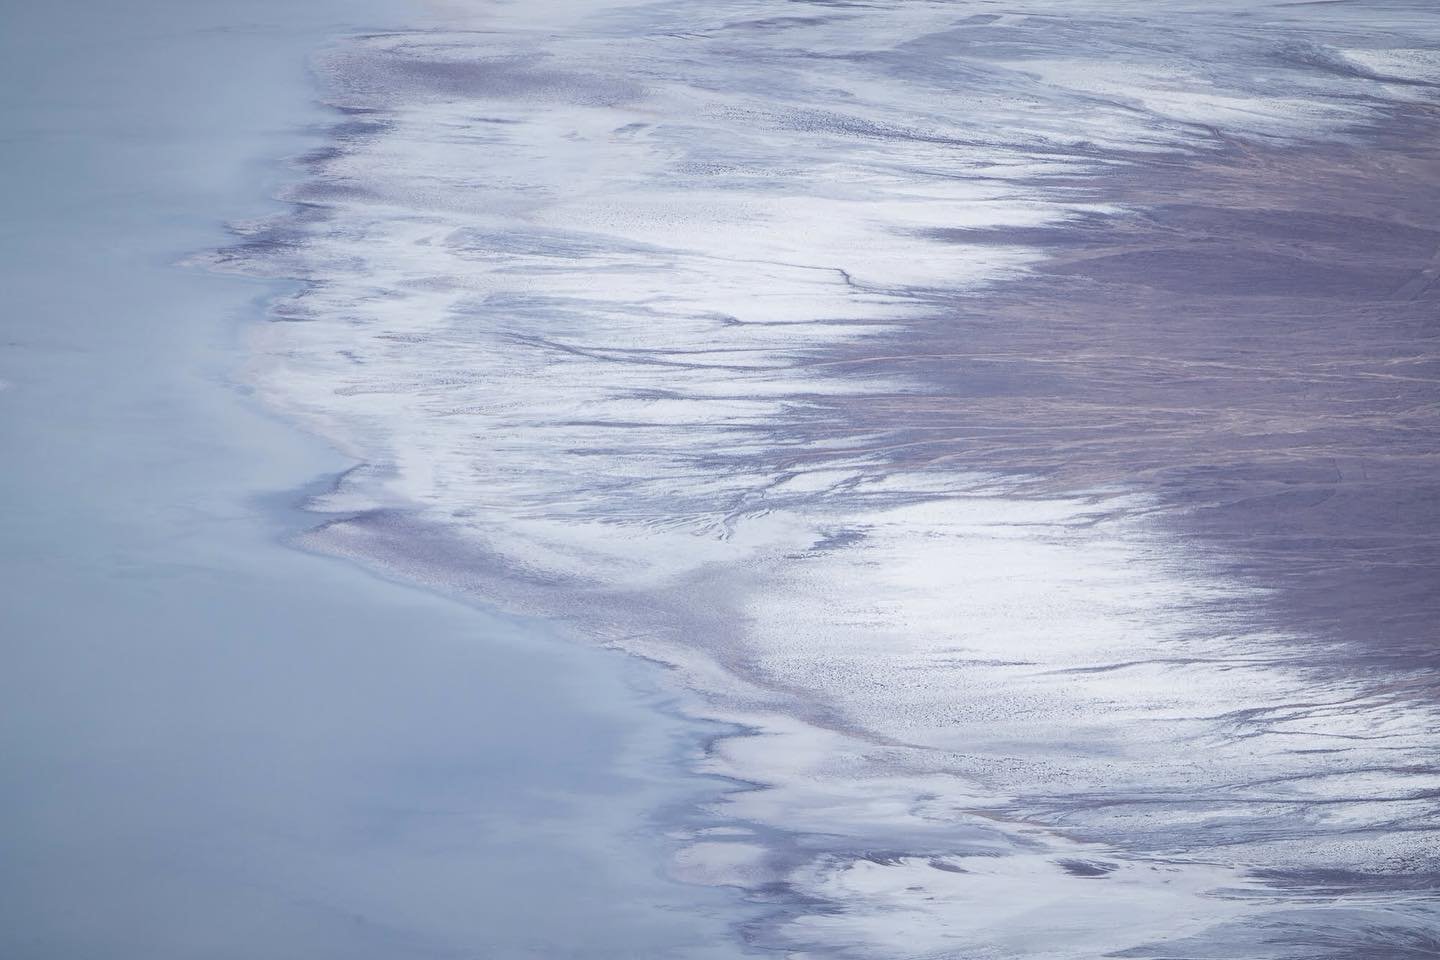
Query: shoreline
217	744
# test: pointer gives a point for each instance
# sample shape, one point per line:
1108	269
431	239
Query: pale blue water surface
214	745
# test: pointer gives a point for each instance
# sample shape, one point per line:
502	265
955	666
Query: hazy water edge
945	391
215	745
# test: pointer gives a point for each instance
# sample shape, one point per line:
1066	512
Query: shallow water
1023	422
215	745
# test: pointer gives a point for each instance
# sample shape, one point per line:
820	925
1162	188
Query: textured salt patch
1020	905
1417	65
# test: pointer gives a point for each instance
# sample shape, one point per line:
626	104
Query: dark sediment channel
1253	344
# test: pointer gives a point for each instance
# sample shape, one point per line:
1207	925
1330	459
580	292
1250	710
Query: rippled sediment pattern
1023	423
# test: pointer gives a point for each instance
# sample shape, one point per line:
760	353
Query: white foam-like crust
574	304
